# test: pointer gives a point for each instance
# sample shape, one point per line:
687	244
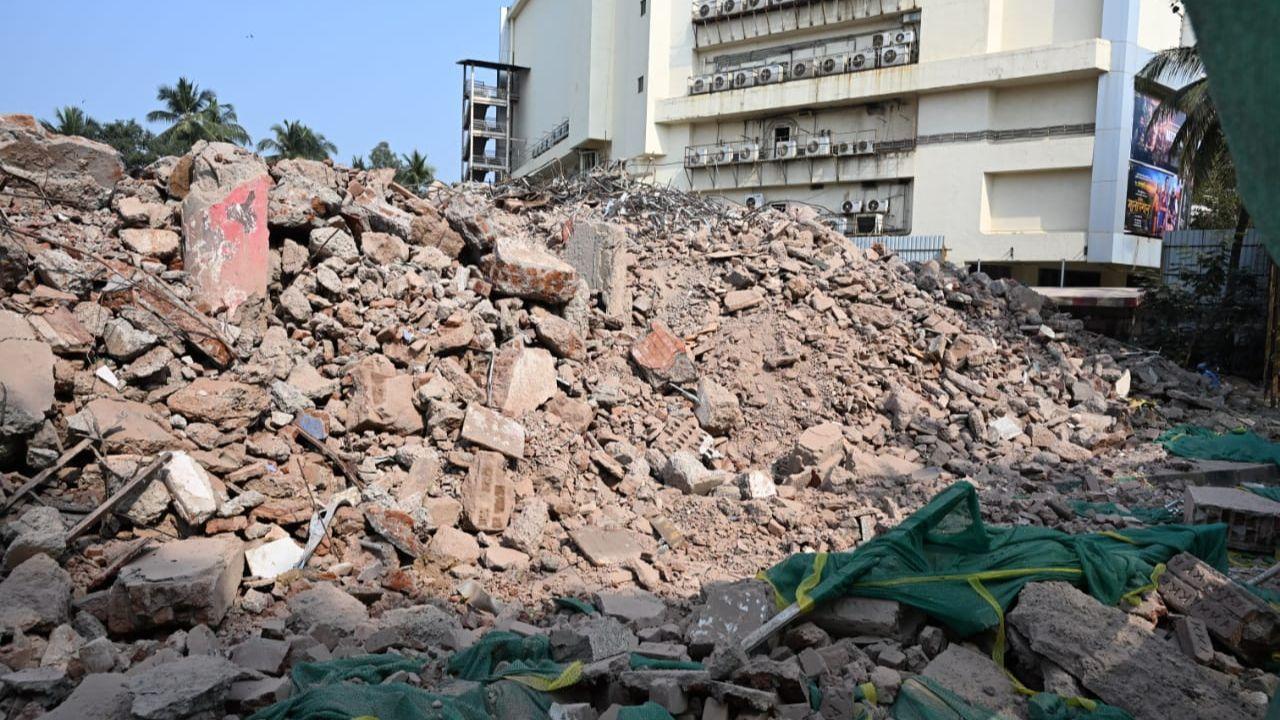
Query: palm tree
295	140
358	163
71	120
1200	146
415	172
194	114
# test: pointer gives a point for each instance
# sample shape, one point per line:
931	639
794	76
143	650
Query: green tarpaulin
1191	441
947	562
1236	39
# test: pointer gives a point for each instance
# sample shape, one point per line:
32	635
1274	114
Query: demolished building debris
316	416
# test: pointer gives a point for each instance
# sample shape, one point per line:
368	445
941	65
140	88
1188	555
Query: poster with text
1153	138
1154	201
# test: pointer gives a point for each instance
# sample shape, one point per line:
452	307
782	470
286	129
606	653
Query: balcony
487	94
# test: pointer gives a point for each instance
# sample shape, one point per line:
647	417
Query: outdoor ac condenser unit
833	64
876	205
744	78
750	5
846	147
868	224
721	81
785	150
708	10
865	60
725	155
882	39
770	74
904	37
895	55
754	201
700	85
748	153
802	69
839	224
730	7
865	147
818	146
850	207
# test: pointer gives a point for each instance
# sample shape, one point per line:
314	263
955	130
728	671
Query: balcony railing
483	91
705	11
490	126
822	146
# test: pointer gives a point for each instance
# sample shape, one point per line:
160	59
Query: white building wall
984	65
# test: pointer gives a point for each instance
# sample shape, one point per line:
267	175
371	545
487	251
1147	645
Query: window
782	133
644	7
640	84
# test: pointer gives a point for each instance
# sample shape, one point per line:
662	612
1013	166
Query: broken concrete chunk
732	611
524	533
382	399
975	677
99	696
191	488
687	473
75	170
523	379
488	496
606	547
214	401
859	616
1121	662
36	595
274	558
451	546
184	688
224	225
1235	617
524	270
156	243
488	429
26	377
139	431
39	530
1253	521
663	358
183	583
739	300
717	409
326	613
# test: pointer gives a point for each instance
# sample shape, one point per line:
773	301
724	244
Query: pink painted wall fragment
226	249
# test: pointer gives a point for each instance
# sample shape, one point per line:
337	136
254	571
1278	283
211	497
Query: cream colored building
999	129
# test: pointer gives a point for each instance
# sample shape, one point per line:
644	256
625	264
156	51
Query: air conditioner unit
721	81
725	155
781	3
882	39
785	150
868	224
895	55
770	74
876	205
754	201
818	146
730	7
748	153
754	5
850	207
865	147
744	78
802	69
839	224
904	37
700	157
833	65
700	85
707	10
845	147
865	60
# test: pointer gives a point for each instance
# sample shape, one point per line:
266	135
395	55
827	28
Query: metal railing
1187	252
810	147
483	90
490	126
880	50
712	10
912	248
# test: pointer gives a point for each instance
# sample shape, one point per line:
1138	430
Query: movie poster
1155	201
1153	139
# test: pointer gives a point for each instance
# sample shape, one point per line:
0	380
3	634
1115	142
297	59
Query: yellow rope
570	676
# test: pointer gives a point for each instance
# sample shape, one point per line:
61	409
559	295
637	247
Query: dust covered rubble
361	420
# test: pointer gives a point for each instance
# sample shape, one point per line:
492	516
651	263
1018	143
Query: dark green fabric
1047	706
1237	43
1268	492
479	661
922	698
1149	516
368	669
640	662
1190	441
928	562
576	605
647	711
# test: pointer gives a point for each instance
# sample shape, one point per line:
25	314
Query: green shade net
1237	43
1191	441
1149	516
515	675
945	561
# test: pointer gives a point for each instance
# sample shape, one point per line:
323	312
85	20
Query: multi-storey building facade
1002	127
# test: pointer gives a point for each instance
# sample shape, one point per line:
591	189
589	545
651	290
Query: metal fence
1186	252
912	248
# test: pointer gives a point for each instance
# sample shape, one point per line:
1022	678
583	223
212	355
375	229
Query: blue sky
359	72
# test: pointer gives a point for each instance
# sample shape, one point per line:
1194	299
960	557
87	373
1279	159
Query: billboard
1152	142
1155	200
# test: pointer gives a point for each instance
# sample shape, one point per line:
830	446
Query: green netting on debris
647	711
921	698
1149	516
514	676
576	605
640	662
945	561
1270	493
1047	706
1191	441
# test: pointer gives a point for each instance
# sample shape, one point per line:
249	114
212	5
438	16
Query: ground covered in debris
257	416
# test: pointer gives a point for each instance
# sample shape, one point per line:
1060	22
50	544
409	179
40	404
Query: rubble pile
259	415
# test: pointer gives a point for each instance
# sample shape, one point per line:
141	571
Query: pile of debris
287	412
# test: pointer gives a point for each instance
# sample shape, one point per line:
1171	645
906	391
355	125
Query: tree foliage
195	114
381	157
415	172
71	120
292	139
